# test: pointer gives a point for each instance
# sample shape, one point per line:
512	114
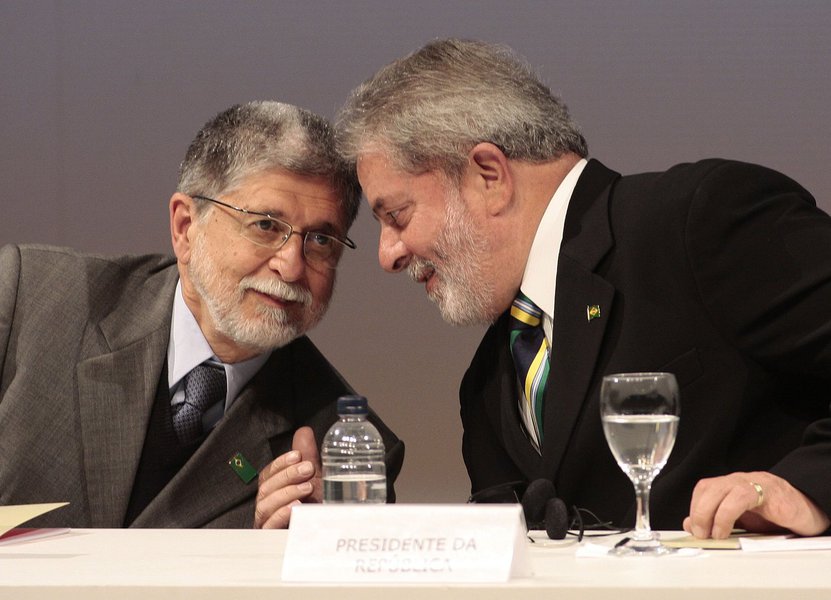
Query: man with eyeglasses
716	271
149	391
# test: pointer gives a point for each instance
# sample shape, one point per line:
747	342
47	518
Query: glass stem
643	532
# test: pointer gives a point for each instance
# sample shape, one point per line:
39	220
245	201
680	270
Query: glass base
642	548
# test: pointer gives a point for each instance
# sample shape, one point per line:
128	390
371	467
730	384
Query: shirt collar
540	277
188	348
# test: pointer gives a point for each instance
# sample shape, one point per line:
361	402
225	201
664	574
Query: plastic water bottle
353	456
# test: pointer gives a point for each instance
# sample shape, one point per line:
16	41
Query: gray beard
274	327
463	294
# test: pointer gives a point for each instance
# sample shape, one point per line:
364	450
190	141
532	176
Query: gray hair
428	109
257	136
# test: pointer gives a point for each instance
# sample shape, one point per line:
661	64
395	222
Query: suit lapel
116	393
207	486
116	389
575	347
577	339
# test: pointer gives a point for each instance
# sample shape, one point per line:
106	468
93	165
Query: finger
265	518
305	443
748	502
286	459
270	510
752	521
719	502
706	498
280	518
740	498
291	475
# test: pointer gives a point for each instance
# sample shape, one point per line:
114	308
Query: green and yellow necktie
529	348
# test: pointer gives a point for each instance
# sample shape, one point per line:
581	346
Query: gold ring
760	493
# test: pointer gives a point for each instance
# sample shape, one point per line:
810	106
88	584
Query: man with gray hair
716	271
149	391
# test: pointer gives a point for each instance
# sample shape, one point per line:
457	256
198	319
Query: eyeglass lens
317	247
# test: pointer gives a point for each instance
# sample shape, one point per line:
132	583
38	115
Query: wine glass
640	413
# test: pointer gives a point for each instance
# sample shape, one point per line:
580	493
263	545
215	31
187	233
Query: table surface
246	564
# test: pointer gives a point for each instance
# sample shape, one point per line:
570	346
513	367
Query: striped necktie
529	347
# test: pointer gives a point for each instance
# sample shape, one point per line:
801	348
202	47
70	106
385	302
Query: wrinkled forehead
380	178
282	194
383	179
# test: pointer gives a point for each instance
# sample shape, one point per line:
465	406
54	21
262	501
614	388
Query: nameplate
406	542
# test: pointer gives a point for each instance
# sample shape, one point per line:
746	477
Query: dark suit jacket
83	342
719	272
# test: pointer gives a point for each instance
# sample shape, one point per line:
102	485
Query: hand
719	503
289	479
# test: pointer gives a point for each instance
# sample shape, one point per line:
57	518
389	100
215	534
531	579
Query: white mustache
290	292
418	267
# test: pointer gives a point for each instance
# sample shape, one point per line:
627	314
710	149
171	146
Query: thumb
304	442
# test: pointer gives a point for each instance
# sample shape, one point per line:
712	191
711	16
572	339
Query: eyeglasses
270	232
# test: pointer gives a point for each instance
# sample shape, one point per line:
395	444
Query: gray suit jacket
83	342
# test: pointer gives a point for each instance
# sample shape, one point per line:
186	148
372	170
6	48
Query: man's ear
490	175
182	216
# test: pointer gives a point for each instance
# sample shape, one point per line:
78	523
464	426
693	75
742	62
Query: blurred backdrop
100	98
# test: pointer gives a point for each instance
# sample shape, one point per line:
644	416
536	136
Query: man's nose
288	260
392	252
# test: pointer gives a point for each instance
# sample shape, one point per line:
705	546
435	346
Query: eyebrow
378	204
318	227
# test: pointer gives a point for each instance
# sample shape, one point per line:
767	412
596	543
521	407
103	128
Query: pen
623	542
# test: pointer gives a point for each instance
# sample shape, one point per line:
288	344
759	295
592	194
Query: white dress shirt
540	277
188	348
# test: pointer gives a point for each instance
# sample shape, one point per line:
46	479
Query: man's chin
260	345
288	329
260	335
466	320
461	314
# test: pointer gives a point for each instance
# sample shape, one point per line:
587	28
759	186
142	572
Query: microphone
541	507
544	510
534	500
556	519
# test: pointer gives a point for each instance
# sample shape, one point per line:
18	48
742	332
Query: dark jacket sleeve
763	268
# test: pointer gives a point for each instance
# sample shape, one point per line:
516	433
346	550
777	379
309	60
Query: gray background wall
99	99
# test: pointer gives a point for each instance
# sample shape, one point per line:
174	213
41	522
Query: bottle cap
352	405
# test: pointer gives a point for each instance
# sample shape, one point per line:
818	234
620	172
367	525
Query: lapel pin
592	311
242	467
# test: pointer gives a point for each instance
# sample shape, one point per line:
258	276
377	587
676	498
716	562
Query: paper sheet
785	543
592	550
14	515
732	542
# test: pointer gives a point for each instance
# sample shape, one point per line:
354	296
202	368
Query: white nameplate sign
406	542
